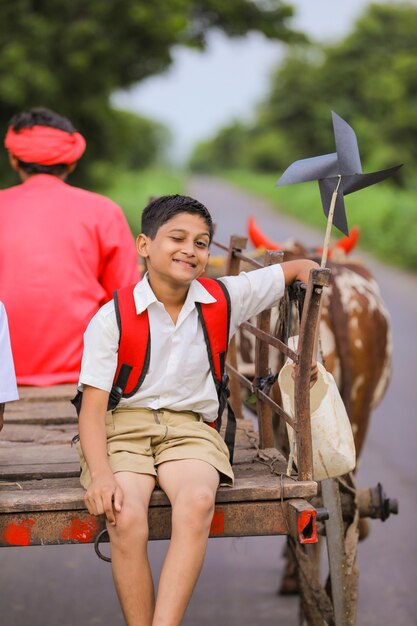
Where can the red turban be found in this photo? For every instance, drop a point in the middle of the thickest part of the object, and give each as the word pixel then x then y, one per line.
pixel 45 145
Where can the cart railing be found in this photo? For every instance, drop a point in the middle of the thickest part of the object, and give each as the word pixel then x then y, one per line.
pixel 302 358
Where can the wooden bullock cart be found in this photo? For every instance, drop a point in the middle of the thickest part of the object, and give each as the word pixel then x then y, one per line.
pixel 41 501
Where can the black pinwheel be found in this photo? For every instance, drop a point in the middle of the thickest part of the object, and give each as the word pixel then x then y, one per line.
pixel 337 173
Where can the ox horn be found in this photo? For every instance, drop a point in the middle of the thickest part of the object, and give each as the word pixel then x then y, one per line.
pixel 348 243
pixel 258 238
pixel 345 243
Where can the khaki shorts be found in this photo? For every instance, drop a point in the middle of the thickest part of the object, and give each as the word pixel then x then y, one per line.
pixel 138 440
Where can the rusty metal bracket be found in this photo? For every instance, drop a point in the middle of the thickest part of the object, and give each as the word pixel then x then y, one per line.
pixel 302 520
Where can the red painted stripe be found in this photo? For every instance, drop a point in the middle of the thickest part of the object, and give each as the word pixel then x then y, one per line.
pixel 305 519
pixel 19 534
pixel 82 531
pixel 217 524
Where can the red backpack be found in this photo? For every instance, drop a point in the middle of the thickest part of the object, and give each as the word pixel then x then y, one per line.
pixel 134 351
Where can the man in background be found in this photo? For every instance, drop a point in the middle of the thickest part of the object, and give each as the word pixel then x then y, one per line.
pixel 63 250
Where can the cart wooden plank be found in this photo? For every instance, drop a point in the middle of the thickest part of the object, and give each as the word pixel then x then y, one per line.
pixel 44 394
pixel 41 500
pixel 61 527
pixel 34 413
pixel 27 496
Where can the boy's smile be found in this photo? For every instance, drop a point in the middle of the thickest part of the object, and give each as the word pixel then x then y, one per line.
pixel 185 263
pixel 179 252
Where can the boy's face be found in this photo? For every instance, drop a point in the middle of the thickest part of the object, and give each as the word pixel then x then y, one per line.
pixel 179 252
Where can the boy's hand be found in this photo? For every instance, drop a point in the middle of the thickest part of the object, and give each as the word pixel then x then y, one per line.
pixel 104 496
pixel 298 270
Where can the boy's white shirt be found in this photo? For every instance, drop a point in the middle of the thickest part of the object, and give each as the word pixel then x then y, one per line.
pixel 179 376
pixel 8 387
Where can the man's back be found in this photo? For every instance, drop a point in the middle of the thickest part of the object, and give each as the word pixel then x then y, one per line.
pixel 63 251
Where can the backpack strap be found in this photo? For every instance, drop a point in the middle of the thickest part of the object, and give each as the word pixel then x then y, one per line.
pixel 215 321
pixel 133 357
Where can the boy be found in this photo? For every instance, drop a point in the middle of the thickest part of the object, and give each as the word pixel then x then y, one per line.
pixel 81 249
pixel 161 429
pixel 8 388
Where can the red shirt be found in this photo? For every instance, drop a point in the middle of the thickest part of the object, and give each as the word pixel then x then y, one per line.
pixel 63 251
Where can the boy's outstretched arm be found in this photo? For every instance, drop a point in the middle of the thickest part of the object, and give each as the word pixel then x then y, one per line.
pixel 298 270
pixel 104 495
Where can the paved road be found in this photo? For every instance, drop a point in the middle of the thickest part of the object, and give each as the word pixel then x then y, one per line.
pixel 68 585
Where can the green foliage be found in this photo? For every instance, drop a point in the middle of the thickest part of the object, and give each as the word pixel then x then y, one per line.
pixel 134 142
pixel 228 147
pixel 243 147
pixel 267 151
pixel 132 190
pixel 369 78
pixel 292 107
pixel 71 55
pixel 203 158
pixel 374 74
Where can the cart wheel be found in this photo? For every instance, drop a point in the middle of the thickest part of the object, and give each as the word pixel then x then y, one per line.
pixel 342 541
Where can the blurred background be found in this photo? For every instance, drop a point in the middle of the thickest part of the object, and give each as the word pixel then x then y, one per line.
pixel 237 90
pixel 216 99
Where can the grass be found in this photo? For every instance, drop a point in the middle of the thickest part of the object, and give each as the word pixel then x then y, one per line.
pixel 386 215
pixel 132 191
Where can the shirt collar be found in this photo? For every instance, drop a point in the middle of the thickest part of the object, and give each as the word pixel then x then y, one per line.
pixel 144 296
pixel 40 179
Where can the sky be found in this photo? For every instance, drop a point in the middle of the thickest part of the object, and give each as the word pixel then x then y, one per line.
pixel 204 91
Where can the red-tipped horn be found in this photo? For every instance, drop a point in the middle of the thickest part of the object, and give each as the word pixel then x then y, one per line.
pixel 257 237
pixel 348 243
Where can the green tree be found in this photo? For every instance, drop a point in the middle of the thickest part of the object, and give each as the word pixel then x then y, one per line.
pixel 71 55
pixel 369 78
pixel 375 72
pixel 227 147
pixel 139 141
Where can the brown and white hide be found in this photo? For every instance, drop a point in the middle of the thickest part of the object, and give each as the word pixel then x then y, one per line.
pixel 356 342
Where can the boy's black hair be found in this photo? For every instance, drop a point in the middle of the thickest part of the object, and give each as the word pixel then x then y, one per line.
pixel 162 209
pixel 40 116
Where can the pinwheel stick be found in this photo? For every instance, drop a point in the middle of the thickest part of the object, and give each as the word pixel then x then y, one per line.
pixel 329 225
